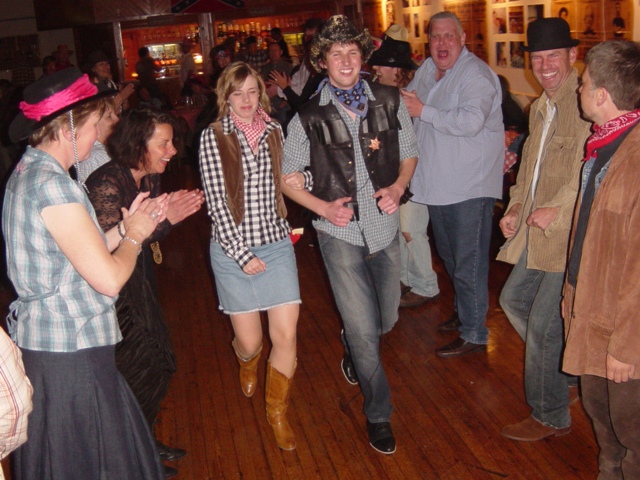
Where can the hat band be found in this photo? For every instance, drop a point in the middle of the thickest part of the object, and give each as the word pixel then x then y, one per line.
pixel 78 90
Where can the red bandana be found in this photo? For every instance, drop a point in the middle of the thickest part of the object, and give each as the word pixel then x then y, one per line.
pixel 608 132
pixel 254 130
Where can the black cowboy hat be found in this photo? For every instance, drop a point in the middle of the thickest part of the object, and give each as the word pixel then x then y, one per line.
pixel 393 53
pixel 339 29
pixel 51 96
pixel 549 34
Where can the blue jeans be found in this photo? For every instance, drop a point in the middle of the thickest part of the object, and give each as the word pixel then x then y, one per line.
pixel 365 287
pixel 462 232
pixel 417 271
pixel 531 300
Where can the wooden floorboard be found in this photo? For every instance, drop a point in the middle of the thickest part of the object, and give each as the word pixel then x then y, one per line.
pixel 447 413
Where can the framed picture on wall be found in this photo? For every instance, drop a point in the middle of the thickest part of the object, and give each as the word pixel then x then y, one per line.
pixel 617 15
pixel 499 21
pixel 516 55
pixel 501 54
pixel 534 12
pixel 516 20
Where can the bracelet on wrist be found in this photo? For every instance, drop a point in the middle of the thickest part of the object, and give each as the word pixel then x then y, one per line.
pixel 134 241
pixel 120 232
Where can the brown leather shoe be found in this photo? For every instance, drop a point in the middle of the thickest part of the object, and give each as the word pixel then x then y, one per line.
pixel 411 299
pixel 531 430
pixel 451 324
pixel 458 348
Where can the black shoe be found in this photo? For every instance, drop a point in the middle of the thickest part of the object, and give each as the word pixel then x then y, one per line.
pixel 381 437
pixel 451 324
pixel 169 454
pixel 169 471
pixel 458 348
pixel 348 369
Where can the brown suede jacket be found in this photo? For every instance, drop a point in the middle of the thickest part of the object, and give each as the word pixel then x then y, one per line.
pixel 602 315
pixel 558 182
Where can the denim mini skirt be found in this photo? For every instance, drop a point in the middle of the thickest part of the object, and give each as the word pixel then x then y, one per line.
pixel 242 293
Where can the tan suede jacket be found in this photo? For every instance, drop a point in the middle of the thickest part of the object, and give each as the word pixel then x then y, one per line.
pixel 602 315
pixel 558 182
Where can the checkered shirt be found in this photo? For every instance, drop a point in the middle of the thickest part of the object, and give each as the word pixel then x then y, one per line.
pixel 258 60
pixel 57 310
pixel 261 224
pixel 374 229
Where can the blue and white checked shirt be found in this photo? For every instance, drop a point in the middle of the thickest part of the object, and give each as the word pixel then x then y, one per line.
pixel 460 133
pixel 376 230
pixel 261 224
pixel 57 310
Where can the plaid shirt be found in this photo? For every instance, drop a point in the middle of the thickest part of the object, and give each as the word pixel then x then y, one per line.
pixel 57 310
pixel 15 397
pixel 258 59
pixel 261 224
pixel 374 229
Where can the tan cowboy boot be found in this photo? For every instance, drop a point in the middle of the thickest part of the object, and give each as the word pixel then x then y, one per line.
pixel 277 400
pixel 248 370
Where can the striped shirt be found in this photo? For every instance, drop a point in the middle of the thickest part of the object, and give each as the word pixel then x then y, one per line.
pixel 261 224
pixel 374 229
pixel 57 310
pixel 15 397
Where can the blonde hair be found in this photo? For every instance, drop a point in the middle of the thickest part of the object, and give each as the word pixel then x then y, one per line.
pixel 232 79
pixel 49 132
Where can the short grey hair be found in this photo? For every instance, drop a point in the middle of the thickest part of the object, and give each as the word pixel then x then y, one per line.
pixel 446 16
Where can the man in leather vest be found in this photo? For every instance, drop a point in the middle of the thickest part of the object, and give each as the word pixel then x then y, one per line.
pixel 601 294
pixel 537 225
pixel 357 142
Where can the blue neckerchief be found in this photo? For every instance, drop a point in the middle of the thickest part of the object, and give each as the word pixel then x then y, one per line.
pixel 355 99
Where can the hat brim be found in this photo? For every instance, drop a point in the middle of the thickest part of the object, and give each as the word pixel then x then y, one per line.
pixel 22 127
pixel 549 46
pixel 376 61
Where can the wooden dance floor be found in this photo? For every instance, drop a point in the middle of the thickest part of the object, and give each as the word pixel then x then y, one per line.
pixel 447 413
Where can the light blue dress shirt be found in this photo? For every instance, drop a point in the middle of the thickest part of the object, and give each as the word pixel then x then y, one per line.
pixel 460 133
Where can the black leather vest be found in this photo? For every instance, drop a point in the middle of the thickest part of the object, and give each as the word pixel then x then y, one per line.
pixel 332 148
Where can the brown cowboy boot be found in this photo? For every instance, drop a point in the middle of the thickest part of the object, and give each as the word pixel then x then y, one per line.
pixel 248 370
pixel 277 400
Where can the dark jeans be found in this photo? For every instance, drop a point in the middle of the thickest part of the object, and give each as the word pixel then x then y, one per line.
pixel 462 233
pixel 614 409
pixel 365 287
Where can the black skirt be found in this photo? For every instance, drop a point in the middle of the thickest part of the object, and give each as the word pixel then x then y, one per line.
pixel 85 423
